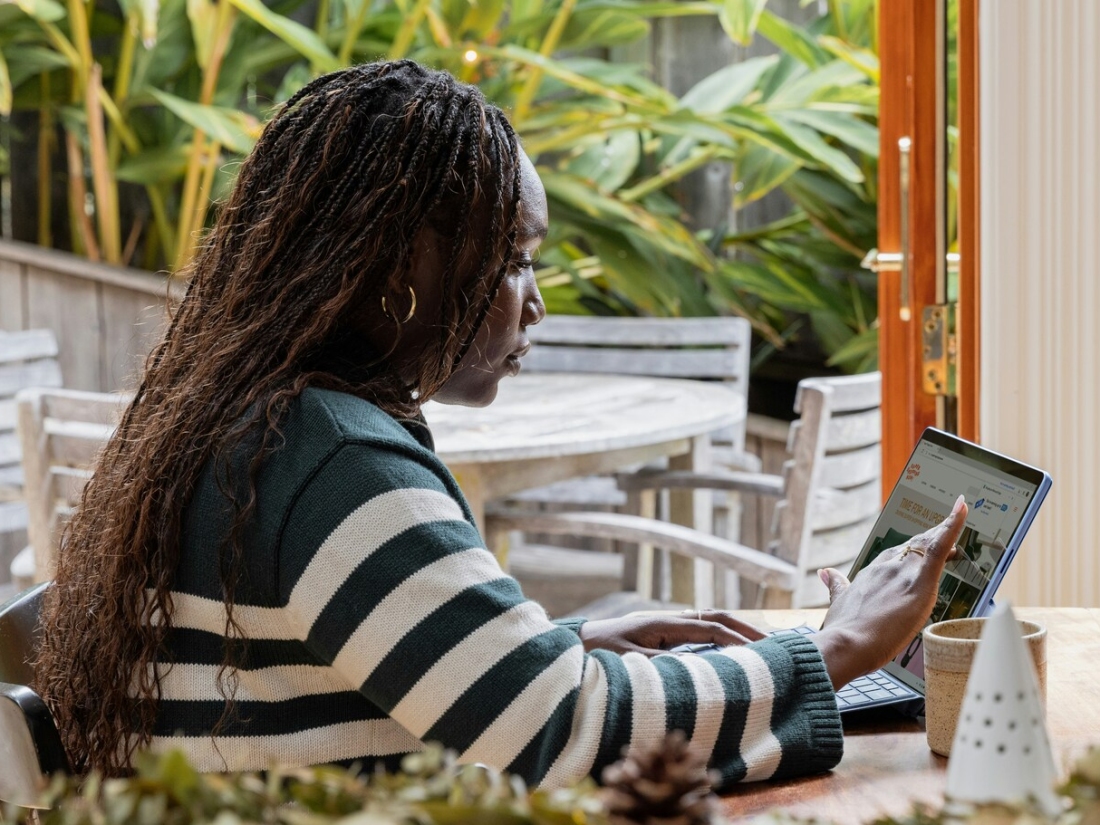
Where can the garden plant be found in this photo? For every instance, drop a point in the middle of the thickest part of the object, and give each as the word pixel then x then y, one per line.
pixel 665 785
pixel 146 107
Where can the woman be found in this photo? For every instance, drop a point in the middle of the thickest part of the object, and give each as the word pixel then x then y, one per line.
pixel 270 563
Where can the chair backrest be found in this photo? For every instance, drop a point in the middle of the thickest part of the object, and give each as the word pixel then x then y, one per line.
pixel 27 359
pixel 715 349
pixel 62 432
pixel 30 746
pixel 832 484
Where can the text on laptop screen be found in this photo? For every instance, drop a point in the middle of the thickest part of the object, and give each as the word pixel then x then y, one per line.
pixel 923 497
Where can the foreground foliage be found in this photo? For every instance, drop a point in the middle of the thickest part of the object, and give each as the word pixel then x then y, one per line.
pixel 658 787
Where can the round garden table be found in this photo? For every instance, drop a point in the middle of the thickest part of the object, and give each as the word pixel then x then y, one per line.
pixel 547 427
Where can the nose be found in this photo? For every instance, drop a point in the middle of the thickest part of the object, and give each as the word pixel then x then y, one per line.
pixel 534 310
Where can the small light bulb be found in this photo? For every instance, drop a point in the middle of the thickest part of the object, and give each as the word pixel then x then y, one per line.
pixel 470 56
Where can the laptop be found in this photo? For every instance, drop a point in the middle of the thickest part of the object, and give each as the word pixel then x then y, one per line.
pixel 1002 494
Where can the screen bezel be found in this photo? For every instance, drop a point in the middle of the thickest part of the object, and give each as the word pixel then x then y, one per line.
pixel 995 461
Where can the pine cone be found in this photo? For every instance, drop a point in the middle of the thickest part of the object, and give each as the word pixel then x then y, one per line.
pixel 667 785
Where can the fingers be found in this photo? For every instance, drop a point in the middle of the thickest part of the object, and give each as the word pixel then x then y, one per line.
pixel 743 629
pixel 696 631
pixel 939 542
pixel 836 581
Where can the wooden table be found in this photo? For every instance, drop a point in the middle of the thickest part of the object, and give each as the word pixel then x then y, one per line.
pixel 887 765
pixel 546 427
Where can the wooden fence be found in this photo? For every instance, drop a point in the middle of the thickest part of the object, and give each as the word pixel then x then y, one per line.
pixel 106 318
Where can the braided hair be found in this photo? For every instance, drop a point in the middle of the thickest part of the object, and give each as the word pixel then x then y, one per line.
pixel 318 232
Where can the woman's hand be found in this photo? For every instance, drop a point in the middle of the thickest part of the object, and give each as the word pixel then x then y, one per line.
pixel 871 619
pixel 655 634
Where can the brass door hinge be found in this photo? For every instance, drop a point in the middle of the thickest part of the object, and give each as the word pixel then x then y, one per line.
pixel 939 349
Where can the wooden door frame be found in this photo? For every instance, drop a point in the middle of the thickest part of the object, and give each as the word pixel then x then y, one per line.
pixel 969 317
pixel 911 106
pixel 907 43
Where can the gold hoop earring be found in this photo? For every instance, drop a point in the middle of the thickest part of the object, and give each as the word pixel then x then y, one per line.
pixel 412 307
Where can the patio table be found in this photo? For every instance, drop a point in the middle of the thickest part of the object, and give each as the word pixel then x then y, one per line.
pixel 887 766
pixel 547 427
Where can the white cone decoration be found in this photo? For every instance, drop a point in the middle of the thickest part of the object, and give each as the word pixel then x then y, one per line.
pixel 1001 751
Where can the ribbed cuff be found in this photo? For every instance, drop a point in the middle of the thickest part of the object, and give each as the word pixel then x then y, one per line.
pixel 818 741
pixel 572 623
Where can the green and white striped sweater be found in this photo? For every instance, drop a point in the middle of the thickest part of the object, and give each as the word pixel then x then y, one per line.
pixel 374 619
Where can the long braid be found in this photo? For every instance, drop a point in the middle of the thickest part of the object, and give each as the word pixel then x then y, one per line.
pixel 319 228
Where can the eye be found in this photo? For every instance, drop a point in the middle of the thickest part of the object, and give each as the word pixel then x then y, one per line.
pixel 524 259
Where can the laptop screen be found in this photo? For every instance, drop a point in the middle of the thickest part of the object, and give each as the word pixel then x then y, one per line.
pixel 1002 495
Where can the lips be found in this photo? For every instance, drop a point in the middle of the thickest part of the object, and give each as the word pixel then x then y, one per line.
pixel 512 361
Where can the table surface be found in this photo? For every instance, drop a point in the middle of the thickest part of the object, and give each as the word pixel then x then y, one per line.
pixel 887 766
pixel 550 415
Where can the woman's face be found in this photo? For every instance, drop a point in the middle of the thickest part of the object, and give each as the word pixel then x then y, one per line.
pixel 502 339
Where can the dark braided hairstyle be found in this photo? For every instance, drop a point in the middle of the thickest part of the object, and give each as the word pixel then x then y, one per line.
pixel 320 228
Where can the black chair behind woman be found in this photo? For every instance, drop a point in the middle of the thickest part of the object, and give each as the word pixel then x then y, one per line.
pixel 30 747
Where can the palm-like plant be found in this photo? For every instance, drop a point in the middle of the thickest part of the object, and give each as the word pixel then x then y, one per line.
pixel 163 98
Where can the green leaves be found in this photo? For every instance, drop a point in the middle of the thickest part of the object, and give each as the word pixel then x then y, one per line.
pixel 6 91
pixel 145 13
pixel 727 86
pixel 740 18
pixel 233 129
pixel 612 146
pixel 431 789
pixel 154 167
pixel 44 11
pixel 203 16
pixel 294 34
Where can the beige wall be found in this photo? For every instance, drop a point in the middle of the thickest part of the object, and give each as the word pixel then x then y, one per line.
pixel 1040 121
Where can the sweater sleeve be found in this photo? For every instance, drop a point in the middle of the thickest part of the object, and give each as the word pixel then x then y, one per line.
pixel 387 581
pixel 572 623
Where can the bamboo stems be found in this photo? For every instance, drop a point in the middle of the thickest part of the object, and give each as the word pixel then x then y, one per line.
pixel 207 183
pixel 321 28
pixel 104 183
pixel 84 234
pixel 549 43
pixel 123 73
pixel 407 32
pixel 351 33
pixel 198 159
pixel 161 222
pixel 45 149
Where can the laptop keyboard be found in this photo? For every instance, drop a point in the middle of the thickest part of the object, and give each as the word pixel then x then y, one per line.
pixel 866 690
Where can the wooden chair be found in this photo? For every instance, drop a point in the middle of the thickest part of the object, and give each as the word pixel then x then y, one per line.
pixel 829 495
pixel 709 349
pixel 30 746
pixel 27 359
pixel 61 432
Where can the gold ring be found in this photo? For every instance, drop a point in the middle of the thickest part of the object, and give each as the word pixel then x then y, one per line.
pixel 909 549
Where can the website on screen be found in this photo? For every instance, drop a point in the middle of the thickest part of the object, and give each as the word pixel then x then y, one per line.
pixel 932 481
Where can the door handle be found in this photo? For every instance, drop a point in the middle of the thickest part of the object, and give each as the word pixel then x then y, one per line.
pixel 905 146
pixel 898 261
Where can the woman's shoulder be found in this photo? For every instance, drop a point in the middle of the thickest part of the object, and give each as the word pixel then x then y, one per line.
pixel 341 418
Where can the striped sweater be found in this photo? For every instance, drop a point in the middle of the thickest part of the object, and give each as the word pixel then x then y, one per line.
pixel 373 619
